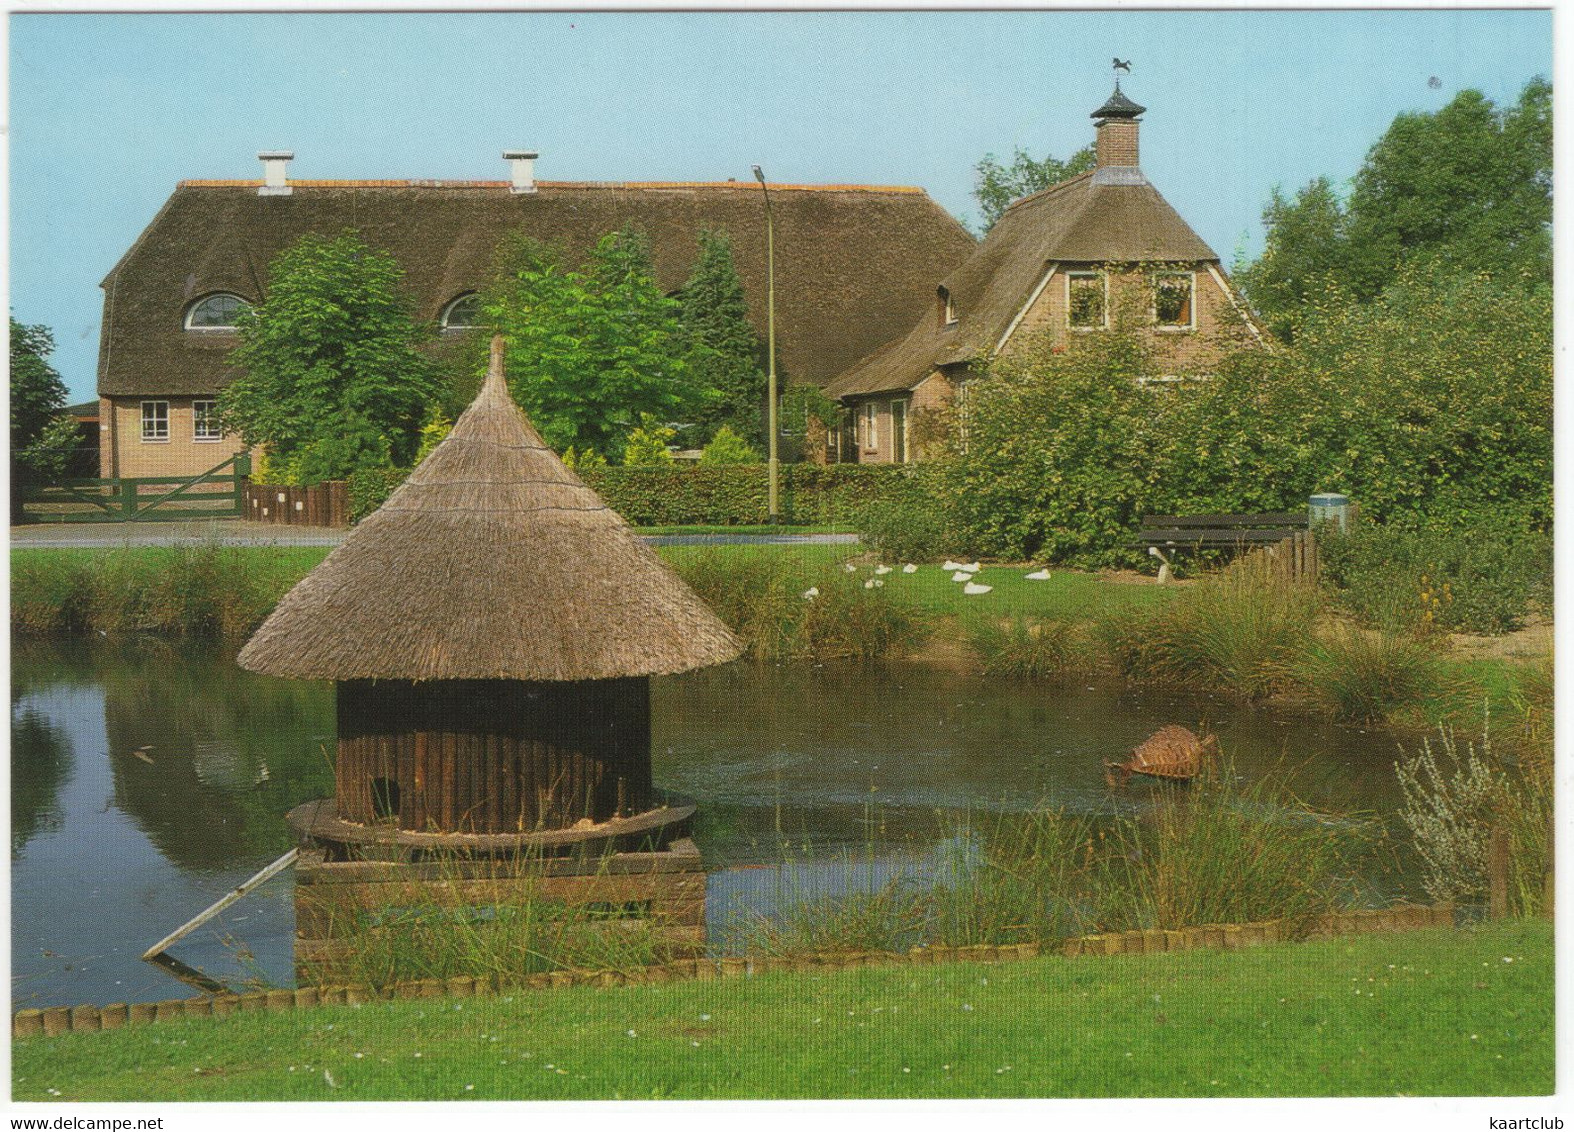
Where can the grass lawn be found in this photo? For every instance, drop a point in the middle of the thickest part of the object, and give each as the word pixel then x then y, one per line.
pixel 1444 1012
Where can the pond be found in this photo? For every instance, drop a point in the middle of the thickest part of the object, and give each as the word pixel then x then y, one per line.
pixel 149 777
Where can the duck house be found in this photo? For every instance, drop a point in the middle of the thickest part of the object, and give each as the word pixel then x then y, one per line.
pixel 491 631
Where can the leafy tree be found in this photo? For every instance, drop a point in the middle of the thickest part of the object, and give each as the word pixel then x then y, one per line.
pixel 727 447
pixel 589 352
pixel 330 378
pixel 723 348
pixel 37 393
pixel 1468 188
pixel 995 185
pixel 648 443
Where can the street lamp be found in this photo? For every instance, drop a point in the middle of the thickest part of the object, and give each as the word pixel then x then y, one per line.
pixel 771 465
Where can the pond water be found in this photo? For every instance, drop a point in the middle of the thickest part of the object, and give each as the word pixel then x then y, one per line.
pixel 150 777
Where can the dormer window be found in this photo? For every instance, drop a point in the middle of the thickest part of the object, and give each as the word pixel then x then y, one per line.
pixel 947 308
pixel 220 312
pixel 1087 294
pixel 464 313
pixel 1173 308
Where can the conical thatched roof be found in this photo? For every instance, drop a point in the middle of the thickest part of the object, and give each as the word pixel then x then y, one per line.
pixel 492 561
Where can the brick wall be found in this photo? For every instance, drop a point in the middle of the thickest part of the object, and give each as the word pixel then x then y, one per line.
pixel 1117 142
pixel 1130 297
pixel 181 454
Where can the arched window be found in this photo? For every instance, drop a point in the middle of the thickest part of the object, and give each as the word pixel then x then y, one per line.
pixel 463 313
pixel 215 312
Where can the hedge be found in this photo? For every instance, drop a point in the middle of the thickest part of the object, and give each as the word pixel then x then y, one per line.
pixel 736 495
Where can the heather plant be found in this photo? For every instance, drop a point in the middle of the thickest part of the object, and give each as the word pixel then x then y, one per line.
pixel 1452 799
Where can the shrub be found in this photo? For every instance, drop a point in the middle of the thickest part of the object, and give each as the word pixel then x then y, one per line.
pixel 727 447
pixel 1364 676
pixel 907 531
pixel 1450 807
pixel 369 489
pixel 1478 574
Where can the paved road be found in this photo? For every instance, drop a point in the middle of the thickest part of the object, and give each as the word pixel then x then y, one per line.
pixel 239 533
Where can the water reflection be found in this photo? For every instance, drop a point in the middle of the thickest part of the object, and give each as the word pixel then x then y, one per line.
pixel 149 778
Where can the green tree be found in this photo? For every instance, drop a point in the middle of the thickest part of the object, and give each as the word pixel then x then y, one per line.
pixel 37 393
pixel 723 348
pixel 1465 189
pixel 589 352
pixel 330 378
pixel 995 185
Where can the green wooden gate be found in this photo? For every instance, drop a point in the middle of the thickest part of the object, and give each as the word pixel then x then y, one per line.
pixel 213 494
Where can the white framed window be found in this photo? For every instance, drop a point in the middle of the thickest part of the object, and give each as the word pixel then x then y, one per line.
pixel 1087 300
pixel 205 422
pixel 463 313
pixel 220 312
pixel 871 425
pixel 1174 300
pixel 155 422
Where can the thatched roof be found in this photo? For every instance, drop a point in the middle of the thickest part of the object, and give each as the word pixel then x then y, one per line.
pixel 1084 221
pixel 854 264
pixel 492 561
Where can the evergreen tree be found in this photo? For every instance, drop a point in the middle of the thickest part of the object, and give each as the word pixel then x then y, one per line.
pixel 723 348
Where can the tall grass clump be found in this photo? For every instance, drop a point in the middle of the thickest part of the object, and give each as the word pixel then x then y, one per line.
pixel 1368 675
pixel 785 608
pixel 1033 647
pixel 1240 631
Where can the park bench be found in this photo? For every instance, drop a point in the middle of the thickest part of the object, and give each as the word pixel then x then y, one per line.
pixel 1163 535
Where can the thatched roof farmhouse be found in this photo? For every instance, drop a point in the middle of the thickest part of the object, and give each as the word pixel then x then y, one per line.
pixel 1059 261
pixel 854 264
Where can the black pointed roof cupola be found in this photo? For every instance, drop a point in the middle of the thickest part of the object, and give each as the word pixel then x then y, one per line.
pixel 1118 106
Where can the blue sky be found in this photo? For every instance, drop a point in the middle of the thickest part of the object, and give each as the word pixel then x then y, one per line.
pixel 109 111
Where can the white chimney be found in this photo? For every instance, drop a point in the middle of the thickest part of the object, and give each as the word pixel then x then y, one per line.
pixel 522 163
pixel 273 182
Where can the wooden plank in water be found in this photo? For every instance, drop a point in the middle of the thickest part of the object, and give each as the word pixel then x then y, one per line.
pixel 218 906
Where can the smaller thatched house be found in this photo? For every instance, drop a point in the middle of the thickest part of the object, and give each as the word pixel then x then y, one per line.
pixel 492 629
pixel 1076 258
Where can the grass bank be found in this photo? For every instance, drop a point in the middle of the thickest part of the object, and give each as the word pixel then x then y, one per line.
pixel 1464 1012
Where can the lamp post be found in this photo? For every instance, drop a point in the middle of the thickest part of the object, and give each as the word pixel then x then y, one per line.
pixel 771 465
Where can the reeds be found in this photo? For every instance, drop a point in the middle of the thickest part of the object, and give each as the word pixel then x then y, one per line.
pixel 1217 852
pixel 203 589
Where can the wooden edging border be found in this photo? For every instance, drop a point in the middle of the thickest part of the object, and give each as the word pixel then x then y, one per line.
pixel 62 1019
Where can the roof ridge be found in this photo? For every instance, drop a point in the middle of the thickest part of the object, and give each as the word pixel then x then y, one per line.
pixel 750 186
pixel 1056 187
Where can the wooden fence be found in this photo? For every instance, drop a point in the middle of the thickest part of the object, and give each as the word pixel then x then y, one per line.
pixel 213 494
pixel 321 505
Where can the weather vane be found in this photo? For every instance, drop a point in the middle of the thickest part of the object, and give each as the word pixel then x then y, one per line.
pixel 1119 67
